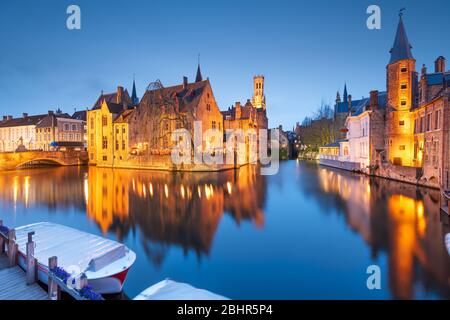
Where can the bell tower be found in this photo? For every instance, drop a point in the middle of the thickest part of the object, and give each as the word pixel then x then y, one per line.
pixel 401 82
pixel 259 99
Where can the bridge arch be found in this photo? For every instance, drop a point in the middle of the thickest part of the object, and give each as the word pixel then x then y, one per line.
pixel 38 162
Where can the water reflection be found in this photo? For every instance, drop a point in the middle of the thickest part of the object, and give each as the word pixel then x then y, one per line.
pixel 201 215
pixel 173 209
pixel 397 218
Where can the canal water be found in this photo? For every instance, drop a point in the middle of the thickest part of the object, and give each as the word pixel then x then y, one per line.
pixel 308 232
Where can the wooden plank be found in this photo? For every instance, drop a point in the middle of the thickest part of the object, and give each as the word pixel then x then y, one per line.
pixel 13 285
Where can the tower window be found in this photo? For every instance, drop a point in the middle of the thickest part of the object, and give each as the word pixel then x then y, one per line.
pixel 404 70
pixel 402 147
pixel 403 86
pixel 401 123
pixel 403 103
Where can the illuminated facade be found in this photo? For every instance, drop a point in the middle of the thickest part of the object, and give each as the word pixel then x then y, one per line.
pixel 401 98
pixel 100 122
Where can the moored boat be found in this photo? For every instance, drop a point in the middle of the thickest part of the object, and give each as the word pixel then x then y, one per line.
pixel 172 290
pixel 105 262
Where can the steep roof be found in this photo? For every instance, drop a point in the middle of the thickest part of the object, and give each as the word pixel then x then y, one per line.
pixel 24 121
pixel 364 103
pixel 80 115
pixel 134 97
pixel 401 49
pixel 124 116
pixel 186 97
pixel 111 98
pixel 198 77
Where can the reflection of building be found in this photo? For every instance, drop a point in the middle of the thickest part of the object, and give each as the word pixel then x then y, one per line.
pixel 53 188
pixel 182 210
pixel 397 218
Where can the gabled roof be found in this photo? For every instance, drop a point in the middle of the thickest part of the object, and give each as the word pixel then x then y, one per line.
pixel 364 103
pixel 24 121
pixel 124 116
pixel 49 121
pixel 80 115
pixel 437 78
pixel 401 49
pixel 185 98
pixel 111 98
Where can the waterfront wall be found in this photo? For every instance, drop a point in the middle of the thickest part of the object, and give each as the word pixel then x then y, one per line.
pixel 164 162
pixel 16 160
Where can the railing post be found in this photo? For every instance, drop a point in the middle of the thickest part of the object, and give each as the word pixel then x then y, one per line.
pixel 13 248
pixel 53 288
pixel 2 241
pixel 31 261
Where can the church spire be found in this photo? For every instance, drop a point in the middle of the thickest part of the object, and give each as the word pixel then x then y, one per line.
pixel 198 77
pixel 401 50
pixel 134 97
pixel 345 93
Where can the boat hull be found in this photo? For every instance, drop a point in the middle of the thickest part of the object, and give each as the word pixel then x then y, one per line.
pixel 107 285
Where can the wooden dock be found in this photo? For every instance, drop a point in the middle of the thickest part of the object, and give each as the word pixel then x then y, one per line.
pixel 13 284
pixel 17 284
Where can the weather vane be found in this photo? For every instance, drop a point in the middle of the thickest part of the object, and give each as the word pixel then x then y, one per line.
pixel 401 12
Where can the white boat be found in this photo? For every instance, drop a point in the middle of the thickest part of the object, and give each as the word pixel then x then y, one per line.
pixel 105 262
pixel 171 290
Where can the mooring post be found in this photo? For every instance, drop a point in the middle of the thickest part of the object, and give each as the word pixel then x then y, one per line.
pixel 2 241
pixel 53 288
pixel 31 261
pixel 83 281
pixel 13 248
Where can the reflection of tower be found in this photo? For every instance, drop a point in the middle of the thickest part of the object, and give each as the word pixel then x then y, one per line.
pixel 259 99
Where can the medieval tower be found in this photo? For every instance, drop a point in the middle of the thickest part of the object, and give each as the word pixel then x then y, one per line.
pixel 401 91
pixel 259 99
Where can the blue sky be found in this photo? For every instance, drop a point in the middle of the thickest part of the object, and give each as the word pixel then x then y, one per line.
pixel 305 49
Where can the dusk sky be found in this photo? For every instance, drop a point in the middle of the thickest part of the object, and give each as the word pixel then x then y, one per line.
pixel 306 50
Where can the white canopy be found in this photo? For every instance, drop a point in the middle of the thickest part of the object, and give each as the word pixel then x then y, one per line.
pixel 171 290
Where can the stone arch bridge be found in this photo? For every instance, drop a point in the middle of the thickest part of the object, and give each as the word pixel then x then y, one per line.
pixel 27 159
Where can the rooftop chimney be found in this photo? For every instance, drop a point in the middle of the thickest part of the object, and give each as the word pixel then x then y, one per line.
pixel 119 94
pixel 238 110
pixel 185 82
pixel 373 99
pixel 50 112
pixel 5 118
pixel 439 65
pixel 424 70
pixel 9 117
pixel 25 115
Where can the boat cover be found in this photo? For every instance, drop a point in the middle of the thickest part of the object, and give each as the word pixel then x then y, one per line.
pixel 71 246
pixel 171 290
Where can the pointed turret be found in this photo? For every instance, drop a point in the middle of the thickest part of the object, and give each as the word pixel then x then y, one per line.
pixel 345 93
pixel 134 98
pixel 198 77
pixel 401 49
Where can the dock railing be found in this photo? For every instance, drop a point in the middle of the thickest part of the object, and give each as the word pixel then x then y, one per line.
pixel 58 279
